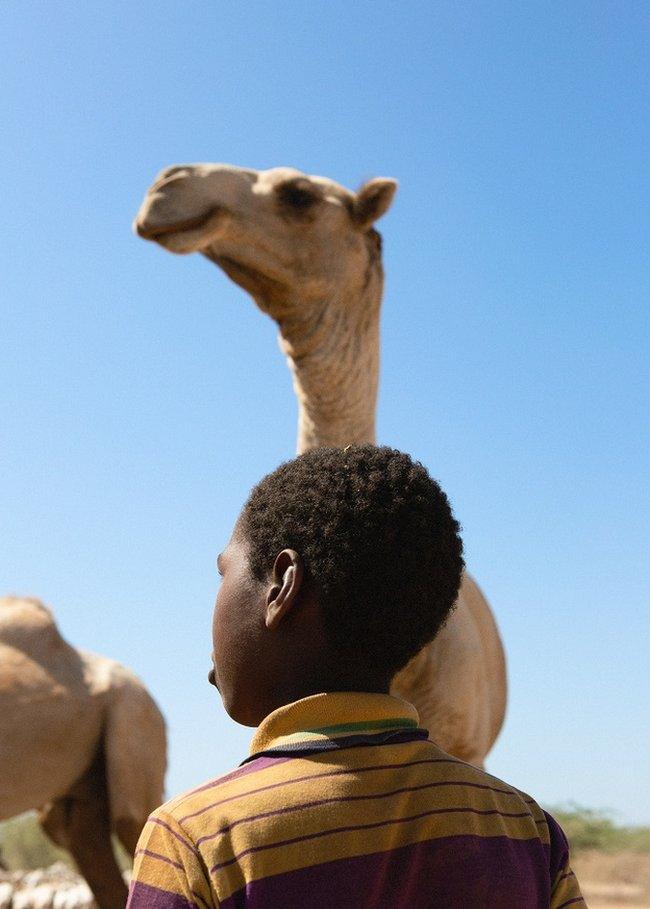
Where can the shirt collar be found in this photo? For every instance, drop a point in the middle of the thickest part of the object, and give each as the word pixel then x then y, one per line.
pixel 332 720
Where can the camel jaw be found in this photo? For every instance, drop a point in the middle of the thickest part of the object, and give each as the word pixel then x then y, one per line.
pixel 263 288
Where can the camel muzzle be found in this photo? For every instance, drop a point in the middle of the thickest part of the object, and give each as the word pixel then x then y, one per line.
pixel 153 231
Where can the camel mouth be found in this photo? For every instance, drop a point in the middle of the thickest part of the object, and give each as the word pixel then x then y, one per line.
pixel 157 231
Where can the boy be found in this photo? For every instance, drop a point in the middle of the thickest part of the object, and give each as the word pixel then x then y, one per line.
pixel 341 566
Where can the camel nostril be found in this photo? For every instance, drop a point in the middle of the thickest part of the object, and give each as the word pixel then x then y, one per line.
pixel 170 171
pixel 140 230
pixel 166 175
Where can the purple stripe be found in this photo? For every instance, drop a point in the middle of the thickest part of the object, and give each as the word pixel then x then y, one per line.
pixel 459 871
pixel 559 847
pixel 374 826
pixel 243 770
pixel 144 896
pixel 320 776
pixel 156 820
pixel 577 899
pixel 355 798
pixel 526 798
pixel 161 858
pixel 200 899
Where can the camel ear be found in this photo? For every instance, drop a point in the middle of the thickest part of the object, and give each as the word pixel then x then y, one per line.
pixel 373 200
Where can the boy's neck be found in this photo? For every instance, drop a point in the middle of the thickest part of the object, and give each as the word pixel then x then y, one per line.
pixel 327 685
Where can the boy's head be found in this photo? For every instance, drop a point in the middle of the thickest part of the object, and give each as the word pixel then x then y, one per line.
pixel 343 564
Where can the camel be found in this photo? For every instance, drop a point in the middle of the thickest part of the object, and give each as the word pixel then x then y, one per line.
pixel 305 249
pixel 81 740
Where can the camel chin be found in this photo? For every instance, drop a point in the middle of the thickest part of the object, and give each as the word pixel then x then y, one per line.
pixel 182 243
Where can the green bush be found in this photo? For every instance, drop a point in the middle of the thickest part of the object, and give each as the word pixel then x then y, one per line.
pixel 24 846
pixel 588 828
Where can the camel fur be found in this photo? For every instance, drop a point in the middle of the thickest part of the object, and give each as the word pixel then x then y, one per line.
pixel 81 740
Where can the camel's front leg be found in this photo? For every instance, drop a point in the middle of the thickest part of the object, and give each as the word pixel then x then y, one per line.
pixel 80 823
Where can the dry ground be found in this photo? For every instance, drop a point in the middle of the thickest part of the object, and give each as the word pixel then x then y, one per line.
pixel 619 880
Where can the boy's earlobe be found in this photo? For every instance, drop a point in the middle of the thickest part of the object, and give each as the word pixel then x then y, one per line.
pixel 287 581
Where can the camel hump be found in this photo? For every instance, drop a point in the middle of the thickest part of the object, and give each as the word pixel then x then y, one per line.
pixel 493 647
pixel 135 748
pixel 28 624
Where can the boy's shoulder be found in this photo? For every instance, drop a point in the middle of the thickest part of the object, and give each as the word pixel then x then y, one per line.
pixel 262 780
pixel 291 815
pixel 191 808
pixel 549 831
pixel 477 776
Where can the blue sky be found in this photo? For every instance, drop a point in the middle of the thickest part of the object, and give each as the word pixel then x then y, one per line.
pixel 142 394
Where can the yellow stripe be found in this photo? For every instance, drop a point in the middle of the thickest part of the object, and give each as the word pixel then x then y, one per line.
pixel 314 820
pixel 347 844
pixel 332 775
pixel 290 772
pixel 377 798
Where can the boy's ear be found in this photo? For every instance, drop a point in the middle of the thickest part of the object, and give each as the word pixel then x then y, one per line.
pixel 288 573
pixel 373 200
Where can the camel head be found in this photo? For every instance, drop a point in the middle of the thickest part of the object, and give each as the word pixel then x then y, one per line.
pixel 290 240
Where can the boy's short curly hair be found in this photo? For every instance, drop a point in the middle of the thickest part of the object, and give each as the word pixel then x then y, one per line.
pixel 379 541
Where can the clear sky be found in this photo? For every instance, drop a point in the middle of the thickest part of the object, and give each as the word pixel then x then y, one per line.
pixel 143 394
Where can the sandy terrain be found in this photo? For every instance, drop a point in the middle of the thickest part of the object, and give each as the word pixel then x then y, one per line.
pixel 615 881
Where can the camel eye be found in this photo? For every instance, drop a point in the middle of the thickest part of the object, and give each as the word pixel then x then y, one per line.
pixel 298 195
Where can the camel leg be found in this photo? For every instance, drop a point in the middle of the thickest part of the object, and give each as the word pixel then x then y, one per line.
pixel 128 833
pixel 80 823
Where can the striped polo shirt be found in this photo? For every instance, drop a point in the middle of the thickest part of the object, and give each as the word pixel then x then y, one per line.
pixel 345 802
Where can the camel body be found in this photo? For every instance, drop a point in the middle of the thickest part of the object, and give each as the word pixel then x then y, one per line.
pixel 306 250
pixel 81 740
pixel 458 681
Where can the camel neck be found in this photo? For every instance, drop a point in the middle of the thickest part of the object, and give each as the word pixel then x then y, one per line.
pixel 334 358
